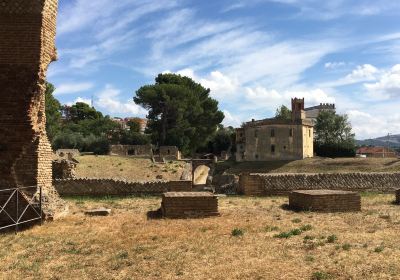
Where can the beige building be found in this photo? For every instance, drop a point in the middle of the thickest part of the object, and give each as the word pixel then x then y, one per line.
pixel 275 139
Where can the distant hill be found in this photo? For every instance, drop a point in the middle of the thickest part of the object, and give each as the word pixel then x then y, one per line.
pixel 392 141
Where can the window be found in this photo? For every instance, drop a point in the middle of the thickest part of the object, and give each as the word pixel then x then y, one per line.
pixel 309 133
pixel 290 132
pixel 272 132
pixel 256 156
pixel 131 152
pixel 241 134
pixel 284 147
pixel 272 149
pixel 241 147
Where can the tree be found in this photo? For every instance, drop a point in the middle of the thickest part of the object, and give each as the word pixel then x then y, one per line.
pixel 283 113
pixel 53 112
pixel 333 135
pixel 181 112
pixel 80 111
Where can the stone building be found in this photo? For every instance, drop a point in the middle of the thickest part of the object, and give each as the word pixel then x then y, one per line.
pixel 276 139
pixel 313 112
pixel 377 152
pixel 170 152
pixel 131 150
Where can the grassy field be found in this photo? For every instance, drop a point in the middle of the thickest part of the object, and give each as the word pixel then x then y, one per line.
pixel 127 168
pixel 315 165
pixel 254 238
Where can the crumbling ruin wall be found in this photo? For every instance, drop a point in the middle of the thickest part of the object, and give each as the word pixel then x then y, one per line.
pixel 283 183
pixel 27 47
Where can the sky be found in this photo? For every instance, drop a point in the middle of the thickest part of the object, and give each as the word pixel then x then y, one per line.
pixel 254 55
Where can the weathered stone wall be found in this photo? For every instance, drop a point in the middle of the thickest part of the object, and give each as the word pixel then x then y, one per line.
pixel 131 150
pixel 277 184
pixel 170 152
pixel 104 187
pixel 27 46
pixel 64 169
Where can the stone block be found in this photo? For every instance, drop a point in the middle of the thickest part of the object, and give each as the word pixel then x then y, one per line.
pixel 325 201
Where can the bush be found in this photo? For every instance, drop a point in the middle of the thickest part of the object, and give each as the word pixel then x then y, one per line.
pixel 331 238
pixel 237 232
pixel 334 150
pixel 320 275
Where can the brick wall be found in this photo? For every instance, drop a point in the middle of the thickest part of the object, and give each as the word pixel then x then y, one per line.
pixel 277 184
pixel 27 46
pixel 104 187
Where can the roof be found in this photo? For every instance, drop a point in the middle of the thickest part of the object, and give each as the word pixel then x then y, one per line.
pixel 374 150
pixel 276 121
pixel 322 106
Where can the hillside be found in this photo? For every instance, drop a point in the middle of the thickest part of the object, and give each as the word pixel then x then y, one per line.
pixel 391 141
pixel 314 165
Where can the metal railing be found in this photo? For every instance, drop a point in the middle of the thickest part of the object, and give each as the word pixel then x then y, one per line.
pixel 17 207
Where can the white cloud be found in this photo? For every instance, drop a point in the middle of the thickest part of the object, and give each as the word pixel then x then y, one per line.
pixel 388 85
pixel 372 124
pixel 362 73
pixel 109 100
pixel 80 99
pixel 334 65
pixel 71 88
pixel 231 120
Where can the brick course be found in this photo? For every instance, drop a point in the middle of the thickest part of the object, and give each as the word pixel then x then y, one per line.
pixel 280 184
pixel 325 201
pixel 104 187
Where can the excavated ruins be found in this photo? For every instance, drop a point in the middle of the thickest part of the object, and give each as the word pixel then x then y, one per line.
pixel 27 47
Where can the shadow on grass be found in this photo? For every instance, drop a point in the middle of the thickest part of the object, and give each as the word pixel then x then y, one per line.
pixel 154 215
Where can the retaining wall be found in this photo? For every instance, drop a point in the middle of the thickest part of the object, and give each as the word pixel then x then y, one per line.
pixel 280 184
pixel 104 187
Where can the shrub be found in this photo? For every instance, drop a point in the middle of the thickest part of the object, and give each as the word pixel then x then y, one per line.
pixel 331 238
pixel 271 228
pixel 296 221
pixel 237 232
pixel 379 249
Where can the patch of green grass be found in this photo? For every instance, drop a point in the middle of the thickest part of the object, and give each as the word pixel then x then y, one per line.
pixel 321 275
pixel 346 246
pixel 306 228
pixel 309 258
pixel 379 249
pixel 296 221
pixel 122 255
pixel 331 238
pixel 293 232
pixel 237 232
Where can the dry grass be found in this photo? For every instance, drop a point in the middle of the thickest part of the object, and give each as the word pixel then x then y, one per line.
pixel 126 245
pixel 129 168
pixel 316 165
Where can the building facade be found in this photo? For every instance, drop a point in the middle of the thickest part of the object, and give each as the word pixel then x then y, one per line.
pixel 377 152
pixel 313 112
pixel 276 139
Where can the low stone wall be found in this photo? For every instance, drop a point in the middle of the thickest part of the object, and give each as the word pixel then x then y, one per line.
pixel 279 184
pixel 104 187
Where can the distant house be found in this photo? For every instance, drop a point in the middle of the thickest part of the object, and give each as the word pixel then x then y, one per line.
pixel 124 123
pixel 377 152
pixel 277 139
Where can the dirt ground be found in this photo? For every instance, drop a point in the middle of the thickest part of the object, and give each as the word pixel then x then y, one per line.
pixel 254 238
pixel 135 169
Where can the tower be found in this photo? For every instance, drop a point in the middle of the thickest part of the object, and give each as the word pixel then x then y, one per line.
pixel 298 112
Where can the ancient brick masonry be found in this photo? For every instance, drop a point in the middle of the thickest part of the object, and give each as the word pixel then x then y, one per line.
pixel 27 47
pixel 325 201
pixel 189 205
pixel 278 184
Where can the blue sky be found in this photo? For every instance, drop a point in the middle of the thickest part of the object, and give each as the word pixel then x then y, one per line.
pixel 254 55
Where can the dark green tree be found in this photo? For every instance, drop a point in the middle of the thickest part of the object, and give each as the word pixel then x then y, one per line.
pixel 53 112
pixel 333 135
pixel 181 112
pixel 81 111
pixel 283 113
pixel 134 124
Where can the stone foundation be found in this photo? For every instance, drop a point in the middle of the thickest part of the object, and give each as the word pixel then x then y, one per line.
pixel 325 201
pixel 27 46
pixel 259 184
pixel 189 205
pixel 105 187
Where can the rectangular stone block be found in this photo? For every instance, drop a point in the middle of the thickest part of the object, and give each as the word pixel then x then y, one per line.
pixel 189 205
pixel 325 201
